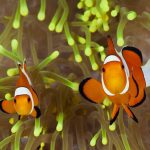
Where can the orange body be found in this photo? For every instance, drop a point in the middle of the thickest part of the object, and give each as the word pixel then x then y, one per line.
pixel 122 81
pixel 25 99
pixel 114 77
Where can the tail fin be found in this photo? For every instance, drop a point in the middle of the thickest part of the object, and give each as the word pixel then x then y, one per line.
pixel 146 72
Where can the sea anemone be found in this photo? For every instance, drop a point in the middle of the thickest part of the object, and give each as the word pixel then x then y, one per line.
pixel 64 42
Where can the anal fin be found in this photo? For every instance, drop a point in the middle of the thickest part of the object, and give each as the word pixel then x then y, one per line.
pixel 91 89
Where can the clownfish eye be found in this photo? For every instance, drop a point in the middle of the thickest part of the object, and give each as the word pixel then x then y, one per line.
pixel 15 101
pixel 103 69
pixel 29 99
pixel 122 66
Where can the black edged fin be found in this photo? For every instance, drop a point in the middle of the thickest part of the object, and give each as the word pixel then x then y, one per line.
pixel 134 117
pixel 19 117
pixel 1 107
pixel 82 91
pixel 137 87
pixel 135 50
pixel 34 91
pixel 38 111
pixel 142 100
pixel 113 119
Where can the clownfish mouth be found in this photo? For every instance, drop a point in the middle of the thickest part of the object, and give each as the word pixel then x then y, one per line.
pixel 115 88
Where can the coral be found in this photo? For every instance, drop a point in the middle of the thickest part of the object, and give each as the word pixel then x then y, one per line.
pixel 63 42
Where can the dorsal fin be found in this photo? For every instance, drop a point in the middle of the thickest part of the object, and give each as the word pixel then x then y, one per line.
pixel 26 75
pixel 24 79
pixel 111 49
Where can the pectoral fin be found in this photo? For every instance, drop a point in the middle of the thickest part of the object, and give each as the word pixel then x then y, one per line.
pixel 92 90
pixel 7 106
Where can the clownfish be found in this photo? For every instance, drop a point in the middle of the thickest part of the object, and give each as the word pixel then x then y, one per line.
pixel 25 100
pixel 123 80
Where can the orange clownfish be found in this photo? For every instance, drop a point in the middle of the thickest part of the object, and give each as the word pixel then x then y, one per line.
pixel 123 80
pixel 25 100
